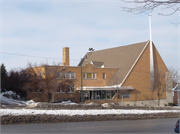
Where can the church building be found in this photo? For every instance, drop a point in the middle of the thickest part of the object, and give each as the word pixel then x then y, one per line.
pixel 128 75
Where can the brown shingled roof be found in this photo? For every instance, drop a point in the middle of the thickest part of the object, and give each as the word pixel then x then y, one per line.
pixel 122 57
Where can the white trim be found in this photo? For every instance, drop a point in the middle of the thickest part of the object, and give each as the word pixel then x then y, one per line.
pixel 174 89
pixel 135 63
pixel 91 63
pixel 113 88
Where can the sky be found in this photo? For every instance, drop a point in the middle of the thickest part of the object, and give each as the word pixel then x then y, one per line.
pixel 36 31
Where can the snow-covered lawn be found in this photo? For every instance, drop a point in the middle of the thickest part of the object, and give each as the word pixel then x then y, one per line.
pixel 31 103
pixel 17 112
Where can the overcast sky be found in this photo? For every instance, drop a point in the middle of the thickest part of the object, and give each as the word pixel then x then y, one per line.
pixel 42 28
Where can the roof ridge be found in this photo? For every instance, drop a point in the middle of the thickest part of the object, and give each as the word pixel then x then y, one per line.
pixel 119 46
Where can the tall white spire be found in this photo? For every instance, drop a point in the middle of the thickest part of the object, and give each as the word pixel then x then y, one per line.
pixel 151 54
pixel 150 33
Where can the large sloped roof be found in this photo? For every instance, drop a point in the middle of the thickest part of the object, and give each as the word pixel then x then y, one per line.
pixel 122 57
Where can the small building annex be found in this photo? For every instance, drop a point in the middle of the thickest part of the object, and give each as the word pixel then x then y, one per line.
pixel 176 96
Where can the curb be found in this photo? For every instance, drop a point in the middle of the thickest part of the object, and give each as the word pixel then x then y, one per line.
pixel 26 119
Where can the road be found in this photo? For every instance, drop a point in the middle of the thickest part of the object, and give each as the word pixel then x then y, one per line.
pixel 124 126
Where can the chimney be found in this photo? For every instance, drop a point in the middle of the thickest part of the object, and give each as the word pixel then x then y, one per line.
pixel 65 56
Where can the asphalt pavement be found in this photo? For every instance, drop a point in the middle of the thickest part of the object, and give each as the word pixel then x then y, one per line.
pixel 123 126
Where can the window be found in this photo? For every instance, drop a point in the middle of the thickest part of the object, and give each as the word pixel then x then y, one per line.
pixel 58 100
pixel 35 90
pixel 57 74
pixel 71 88
pixel 64 99
pixel 72 75
pixel 125 95
pixel 40 91
pixel 69 100
pixel 59 89
pixel 67 75
pixel 73 99
pixel 89 75
pixel 30 90
pixel 62 75
pixel 104 76
pixel 108 93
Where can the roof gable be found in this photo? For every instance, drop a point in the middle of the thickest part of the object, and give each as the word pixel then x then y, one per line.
pixel 97 63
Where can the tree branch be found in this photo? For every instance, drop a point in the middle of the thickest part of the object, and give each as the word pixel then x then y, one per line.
pixel 142 6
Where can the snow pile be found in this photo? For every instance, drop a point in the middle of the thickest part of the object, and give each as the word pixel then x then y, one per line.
pixel 11 95
pixel 105 105
pixel 31 103
pixel 68 102
pixel 9 101
pixel 7 98
pixel 17 112
pixel 91 103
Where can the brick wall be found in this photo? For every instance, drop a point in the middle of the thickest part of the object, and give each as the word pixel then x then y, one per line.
pixel 89 68
pixel 139 78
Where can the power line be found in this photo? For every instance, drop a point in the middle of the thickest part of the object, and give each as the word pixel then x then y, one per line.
pixel 61 59
pixel 28 55
pixel 33 56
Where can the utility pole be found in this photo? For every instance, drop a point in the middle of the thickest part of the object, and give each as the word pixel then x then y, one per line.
pixel 81 83
pixel 122 100
pixel 178 50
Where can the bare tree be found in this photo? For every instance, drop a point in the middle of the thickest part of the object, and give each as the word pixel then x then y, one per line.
pixel 175 76
pixel 48 79
pixel 162 84
pixel 149 5
pixel 116 85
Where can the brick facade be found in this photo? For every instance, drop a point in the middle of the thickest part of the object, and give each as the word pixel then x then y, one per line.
pixel 139 77
pixel 74 96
